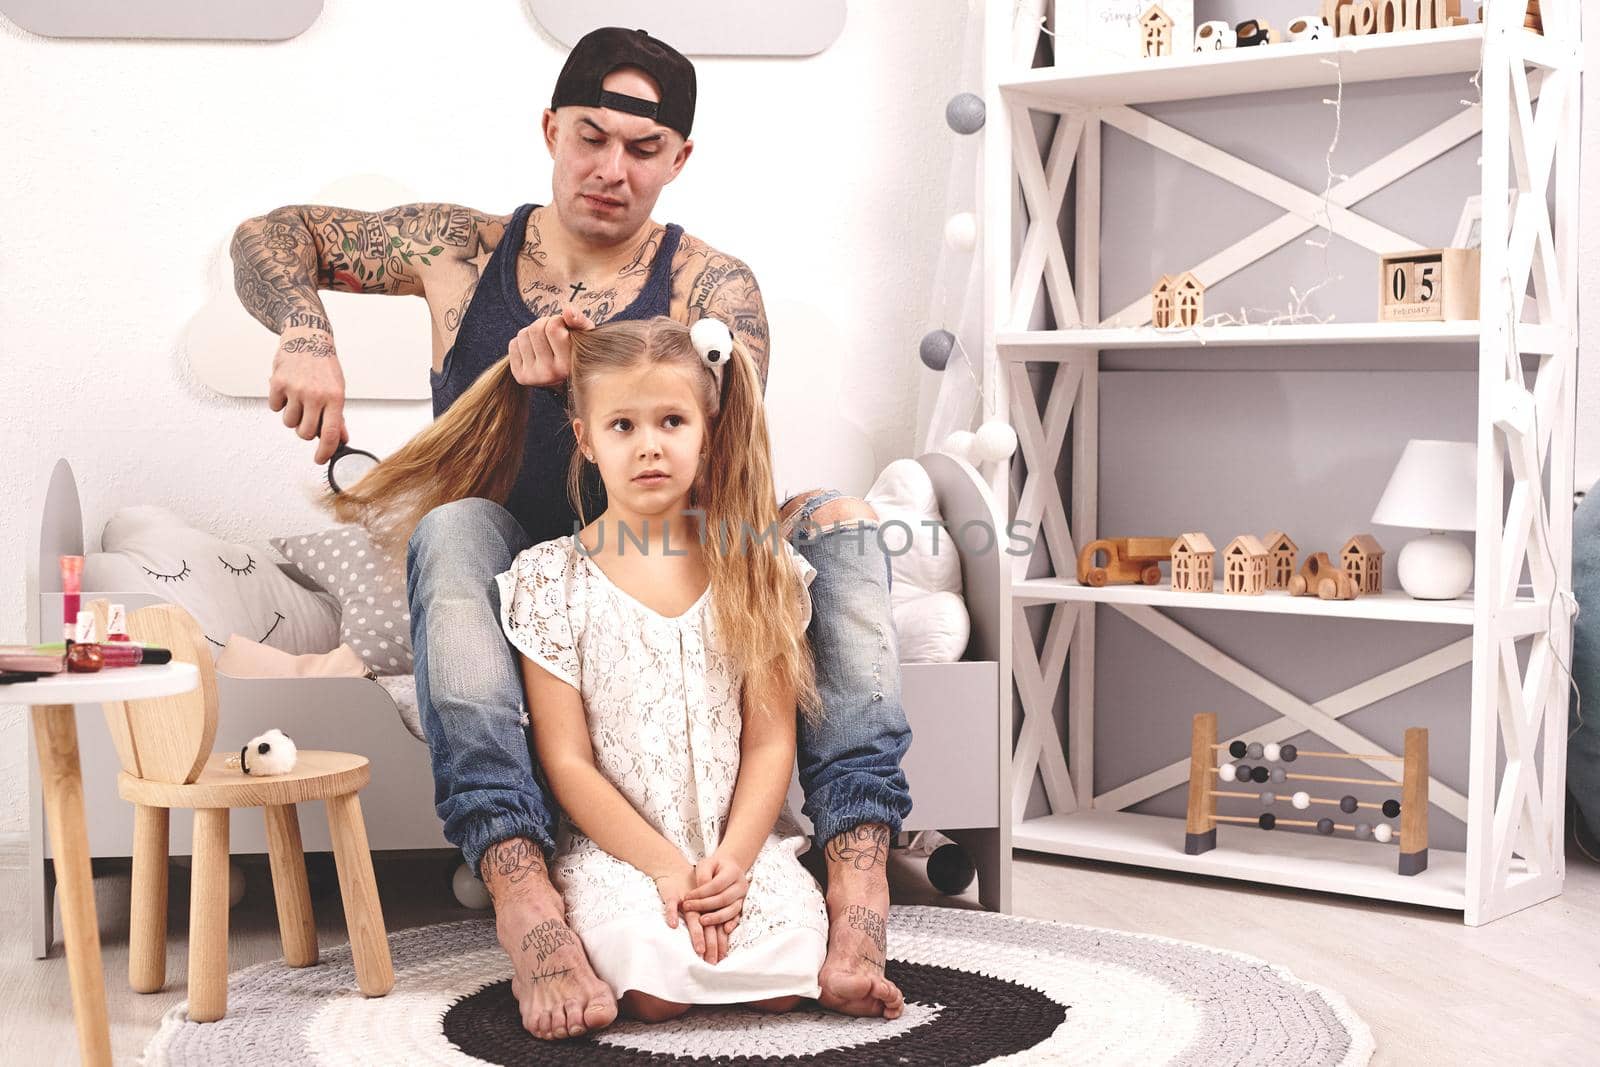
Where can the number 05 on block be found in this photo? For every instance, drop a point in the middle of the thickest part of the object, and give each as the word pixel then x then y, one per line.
pixel 1429 285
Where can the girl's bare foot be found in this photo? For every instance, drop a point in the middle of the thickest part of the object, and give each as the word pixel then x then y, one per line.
pixel 648 1009
pixel 777 1005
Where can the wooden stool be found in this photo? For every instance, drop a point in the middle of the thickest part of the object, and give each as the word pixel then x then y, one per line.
pixel 165 748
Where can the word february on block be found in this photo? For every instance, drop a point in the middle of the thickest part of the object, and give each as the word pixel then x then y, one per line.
pixel 1429 285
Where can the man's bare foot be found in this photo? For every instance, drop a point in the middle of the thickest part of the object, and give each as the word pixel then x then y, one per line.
pixel 555 987
pixel 852 978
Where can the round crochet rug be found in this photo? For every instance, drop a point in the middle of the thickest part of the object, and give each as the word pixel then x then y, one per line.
pixel 979 987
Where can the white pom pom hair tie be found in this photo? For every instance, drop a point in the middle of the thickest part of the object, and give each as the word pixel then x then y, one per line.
pixel 714 341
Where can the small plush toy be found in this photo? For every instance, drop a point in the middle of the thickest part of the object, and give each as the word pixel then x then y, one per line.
pixel 271 753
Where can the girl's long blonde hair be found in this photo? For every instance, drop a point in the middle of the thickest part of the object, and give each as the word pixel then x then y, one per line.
pixel 475 450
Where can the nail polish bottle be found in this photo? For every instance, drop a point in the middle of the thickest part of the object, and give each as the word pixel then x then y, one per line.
pixel 83 655
pixel 117 624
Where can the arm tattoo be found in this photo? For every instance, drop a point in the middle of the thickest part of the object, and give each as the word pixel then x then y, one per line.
pixel 320 347
pixel 870 923
pixel 275 271
pixel 726 289
pixel 512 861
pixel 282 258
pixel 864 847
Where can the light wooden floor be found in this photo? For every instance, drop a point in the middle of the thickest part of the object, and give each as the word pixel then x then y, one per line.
pixel 1524 990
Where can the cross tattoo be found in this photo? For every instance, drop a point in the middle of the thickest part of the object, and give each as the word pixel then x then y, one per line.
pixel 576 289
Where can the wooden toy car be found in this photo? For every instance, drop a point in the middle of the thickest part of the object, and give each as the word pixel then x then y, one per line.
pixel 1128 561
pixel 1323 578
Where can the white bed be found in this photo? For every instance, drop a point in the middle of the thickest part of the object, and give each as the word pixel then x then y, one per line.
pixel 953 764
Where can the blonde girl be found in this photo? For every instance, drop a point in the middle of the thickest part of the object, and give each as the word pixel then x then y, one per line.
pixel 664 662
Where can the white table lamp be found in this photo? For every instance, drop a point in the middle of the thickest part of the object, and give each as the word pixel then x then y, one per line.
pixel 1435 488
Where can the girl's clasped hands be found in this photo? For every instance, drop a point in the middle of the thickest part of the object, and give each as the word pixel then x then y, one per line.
pixel 710 898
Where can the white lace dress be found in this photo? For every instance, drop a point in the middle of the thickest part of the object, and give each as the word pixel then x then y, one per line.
pixel 663 707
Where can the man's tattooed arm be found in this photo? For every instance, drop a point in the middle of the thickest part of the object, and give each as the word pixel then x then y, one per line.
pixel 863 848
pixel 309 346
pixel 281 259
pixel 723 287
pixel 275 271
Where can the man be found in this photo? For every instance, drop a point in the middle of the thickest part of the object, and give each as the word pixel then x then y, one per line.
pixel 618 132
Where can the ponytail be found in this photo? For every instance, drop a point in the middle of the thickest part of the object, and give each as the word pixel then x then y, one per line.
pixel 758 599
pixel 473 449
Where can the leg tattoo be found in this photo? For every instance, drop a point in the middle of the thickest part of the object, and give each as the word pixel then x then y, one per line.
pixel 510 863
pixel 868 922
pixel 862 848
pixel 549 936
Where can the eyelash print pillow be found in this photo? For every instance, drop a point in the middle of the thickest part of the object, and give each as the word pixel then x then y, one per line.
pixel 229 588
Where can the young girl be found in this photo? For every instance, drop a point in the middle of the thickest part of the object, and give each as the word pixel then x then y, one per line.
pixel 664 658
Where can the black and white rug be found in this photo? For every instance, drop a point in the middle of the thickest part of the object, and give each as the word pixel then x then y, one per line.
pixel 979 987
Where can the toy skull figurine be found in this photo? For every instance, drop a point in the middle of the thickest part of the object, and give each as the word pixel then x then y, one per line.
pixel 270 754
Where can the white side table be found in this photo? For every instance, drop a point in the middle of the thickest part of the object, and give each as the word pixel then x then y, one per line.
pixel 55 733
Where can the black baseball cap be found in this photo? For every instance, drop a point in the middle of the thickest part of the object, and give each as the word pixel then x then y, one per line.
pixel 602 51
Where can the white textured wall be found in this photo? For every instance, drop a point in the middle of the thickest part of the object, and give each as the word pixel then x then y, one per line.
pixel 125 165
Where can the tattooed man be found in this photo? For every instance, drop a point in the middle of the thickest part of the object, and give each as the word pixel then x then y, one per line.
pixel 618 132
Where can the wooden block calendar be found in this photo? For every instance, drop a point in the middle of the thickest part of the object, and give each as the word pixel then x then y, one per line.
pixel 1430 285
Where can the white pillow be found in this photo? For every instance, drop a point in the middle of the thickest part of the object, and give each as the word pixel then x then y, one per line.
pixel 228 588
pixel 930 617
pixel 370 587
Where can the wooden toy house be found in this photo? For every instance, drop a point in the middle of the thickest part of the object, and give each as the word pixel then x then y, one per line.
pixel 1362 559
pixel 1188 300
pixel 1281 555
pixel 1192 559
pixel 1155 31
pixel 1161 303
pixel 1244 566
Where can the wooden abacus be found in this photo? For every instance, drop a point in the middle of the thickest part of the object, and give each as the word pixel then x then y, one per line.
pixel 1206 772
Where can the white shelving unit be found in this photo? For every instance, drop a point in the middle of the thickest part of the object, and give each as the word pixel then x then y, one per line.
pixel 1055 345
pixel 1529 122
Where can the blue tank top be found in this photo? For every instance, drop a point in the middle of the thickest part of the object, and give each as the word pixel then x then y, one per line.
pixel 495 315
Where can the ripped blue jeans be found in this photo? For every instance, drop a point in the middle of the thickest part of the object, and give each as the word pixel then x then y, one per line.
pixel 487 784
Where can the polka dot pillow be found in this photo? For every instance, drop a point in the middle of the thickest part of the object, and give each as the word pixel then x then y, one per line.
pixel 374 618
